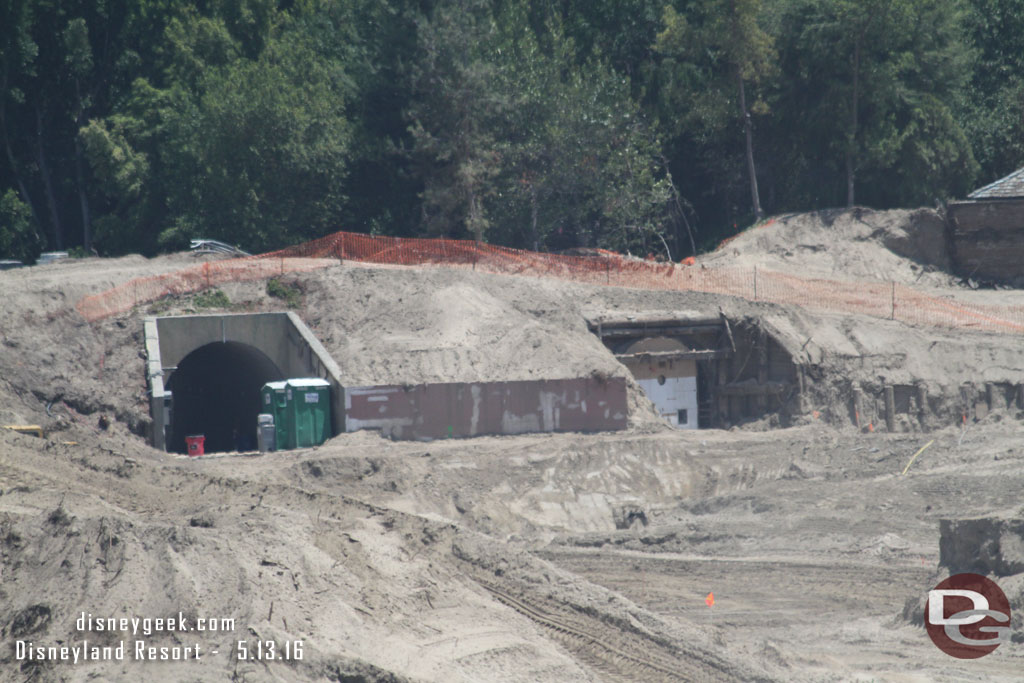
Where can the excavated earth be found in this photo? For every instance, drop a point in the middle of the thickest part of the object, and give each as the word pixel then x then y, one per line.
pixel 546 557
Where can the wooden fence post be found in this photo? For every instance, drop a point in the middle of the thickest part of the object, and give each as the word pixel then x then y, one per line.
pixel 890 409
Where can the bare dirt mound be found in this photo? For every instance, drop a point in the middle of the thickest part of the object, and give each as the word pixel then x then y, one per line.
pixel 382 326
pixel 548 557
pixel 905 246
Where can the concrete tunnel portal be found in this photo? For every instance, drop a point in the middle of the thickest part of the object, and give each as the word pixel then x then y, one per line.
pixel 205 372
pixel 216 391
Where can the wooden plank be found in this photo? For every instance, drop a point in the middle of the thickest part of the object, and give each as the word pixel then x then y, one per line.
pixel 724 414
pixel 34 430
pixel 753 388
pixel 709 354
pixel 621 332
pixel 728 332
pixel 655 322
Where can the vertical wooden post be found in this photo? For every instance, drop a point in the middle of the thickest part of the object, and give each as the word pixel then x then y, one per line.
pixel 922 403
pixel 762 367
pixel 712 385
pixel 890 409
pixel 990 396
pixel 801 382
pixel 1020 396
pixel 967 397
pixel 723 401
pixel 858 406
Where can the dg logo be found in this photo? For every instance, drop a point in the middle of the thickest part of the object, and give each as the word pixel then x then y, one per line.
pixel 967 616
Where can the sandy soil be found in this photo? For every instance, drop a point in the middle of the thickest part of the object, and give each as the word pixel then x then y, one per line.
pixel 546 557
pixel 906 246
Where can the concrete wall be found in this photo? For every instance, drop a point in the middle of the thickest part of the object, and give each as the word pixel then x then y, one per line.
pixel 670 384
pixel 282 337
pixel 987 239
pixel 674 398
pixel 438 411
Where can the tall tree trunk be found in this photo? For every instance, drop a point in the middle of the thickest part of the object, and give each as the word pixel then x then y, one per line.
pixel 851 141
pixel 22 187
pixel 748 128
pixel 533 217
pixel 679 207
pixel 475 218
pixel 44 171
pixel 83 198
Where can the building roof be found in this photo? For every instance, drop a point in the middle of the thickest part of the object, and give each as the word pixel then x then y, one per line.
pixel 1004 188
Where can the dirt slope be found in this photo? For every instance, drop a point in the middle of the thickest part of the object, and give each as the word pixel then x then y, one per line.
pixel 534 558
pixel 907 246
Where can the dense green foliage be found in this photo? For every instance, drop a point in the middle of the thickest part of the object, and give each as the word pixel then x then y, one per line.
pixel 643 125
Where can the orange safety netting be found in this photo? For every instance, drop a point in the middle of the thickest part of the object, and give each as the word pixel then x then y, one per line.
pixel 879 299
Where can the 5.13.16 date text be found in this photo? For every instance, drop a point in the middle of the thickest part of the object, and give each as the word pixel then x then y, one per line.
pixel 265 650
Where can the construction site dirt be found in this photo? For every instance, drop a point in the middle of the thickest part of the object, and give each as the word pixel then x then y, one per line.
pixel 795 540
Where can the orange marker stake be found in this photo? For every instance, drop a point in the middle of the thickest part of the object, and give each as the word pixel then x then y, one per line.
pixel 710 600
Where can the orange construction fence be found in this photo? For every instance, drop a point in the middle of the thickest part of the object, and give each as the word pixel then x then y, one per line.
pixel 878 299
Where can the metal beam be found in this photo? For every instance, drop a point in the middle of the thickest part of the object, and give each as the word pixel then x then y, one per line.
pixel 753 388
pixel 709 354
pixel 655 322
pixel 675 331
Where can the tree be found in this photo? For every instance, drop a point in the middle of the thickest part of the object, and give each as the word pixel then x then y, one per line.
pixel 991 106
pixel 219 143
pixel 875 81
pixel 740 51
pixel 260 156
pixel 457 108
pixel 519 140
pixel 18 236
pixel 586 162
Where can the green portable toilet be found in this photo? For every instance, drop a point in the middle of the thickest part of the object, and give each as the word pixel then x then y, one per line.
pixel 274 400
pixel 310 406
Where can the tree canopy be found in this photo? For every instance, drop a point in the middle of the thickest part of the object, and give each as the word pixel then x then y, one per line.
pixel 653 126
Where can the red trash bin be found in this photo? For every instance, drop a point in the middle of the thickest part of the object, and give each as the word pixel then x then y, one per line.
pixel 195 444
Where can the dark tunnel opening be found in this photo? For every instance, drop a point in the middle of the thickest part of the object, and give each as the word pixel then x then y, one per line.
pixel 216 391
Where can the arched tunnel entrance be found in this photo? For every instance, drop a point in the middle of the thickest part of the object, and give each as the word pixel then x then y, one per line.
pixel 726 372
pixel 216 390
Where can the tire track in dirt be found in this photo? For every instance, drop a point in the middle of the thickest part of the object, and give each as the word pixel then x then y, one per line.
pixel 595 649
